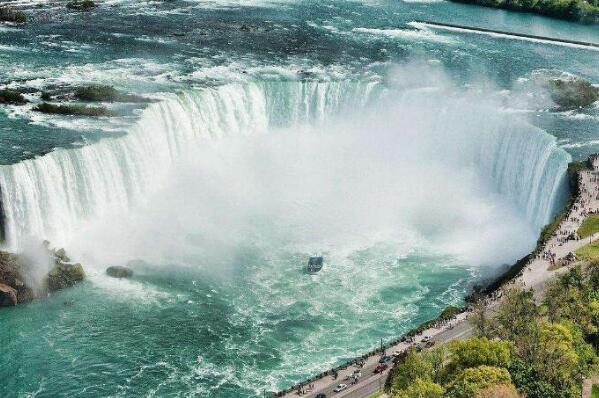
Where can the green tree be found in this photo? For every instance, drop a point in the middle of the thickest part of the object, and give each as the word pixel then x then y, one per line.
pixel 516 320
pixel 421 389
pixel 413 367
pixel 478 351
pixel 470 381
pixel 555 359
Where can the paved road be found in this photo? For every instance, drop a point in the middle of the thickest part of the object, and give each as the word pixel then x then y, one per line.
pixel 370 381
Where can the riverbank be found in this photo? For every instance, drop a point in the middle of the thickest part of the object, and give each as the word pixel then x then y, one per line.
pixel 551 258
pixel 474 29
pixel 576 10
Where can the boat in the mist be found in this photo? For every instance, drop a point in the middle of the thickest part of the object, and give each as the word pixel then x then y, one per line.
pixel 315 264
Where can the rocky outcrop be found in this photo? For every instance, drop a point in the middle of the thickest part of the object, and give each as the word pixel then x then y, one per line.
pixel 64 275
pixel 8 296
pixel 118 271
pixel 566 90
pixel 14 270
pixel 572 92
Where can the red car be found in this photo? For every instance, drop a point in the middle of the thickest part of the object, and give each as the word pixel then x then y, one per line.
pixel 381 368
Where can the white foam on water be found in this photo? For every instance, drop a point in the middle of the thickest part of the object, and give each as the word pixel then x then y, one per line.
pixel 407 34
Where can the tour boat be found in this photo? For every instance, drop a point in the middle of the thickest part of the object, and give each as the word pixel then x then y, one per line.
pixel 314 264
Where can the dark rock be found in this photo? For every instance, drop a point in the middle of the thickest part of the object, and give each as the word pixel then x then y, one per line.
pixel 81 5
pixel 64 275
pixel 61 254
pixel 119 271
pixel 9 14
pixel 572 92
pixel 8 296
pixel 96 93
pixel 72 109
pixel 12 97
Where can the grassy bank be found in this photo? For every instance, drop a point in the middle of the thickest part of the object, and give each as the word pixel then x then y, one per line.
pixel 589 226
pixel 571 10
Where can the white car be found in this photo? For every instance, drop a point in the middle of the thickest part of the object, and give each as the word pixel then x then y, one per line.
pixel 396 353
pixel 340 387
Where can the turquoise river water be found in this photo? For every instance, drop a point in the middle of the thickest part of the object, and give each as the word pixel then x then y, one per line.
pixel 418 160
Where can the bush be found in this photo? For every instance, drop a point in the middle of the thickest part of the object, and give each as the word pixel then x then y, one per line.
pixel 78 110
pixel 9 14
pixel 12 97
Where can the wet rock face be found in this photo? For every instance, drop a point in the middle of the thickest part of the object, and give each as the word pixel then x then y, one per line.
pixel 64 275
pixel 8 296
pixel 119 272
pixel 13 283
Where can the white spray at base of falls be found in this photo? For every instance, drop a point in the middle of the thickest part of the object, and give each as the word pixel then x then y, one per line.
pixel 55 196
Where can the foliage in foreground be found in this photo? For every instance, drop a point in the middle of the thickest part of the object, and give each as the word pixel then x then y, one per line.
pixel 524 350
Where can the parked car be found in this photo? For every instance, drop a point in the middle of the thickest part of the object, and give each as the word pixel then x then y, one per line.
pixel 357 373
pixel 321 395
pixel 385 358
pixel 381 368
pixel 396 353
pixel 340 387
pixel 429 344
pixel 419 347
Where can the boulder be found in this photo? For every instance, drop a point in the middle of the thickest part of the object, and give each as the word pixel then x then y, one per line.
pixel 8 296
pixel 119 271
pixel 64 275
pixel 572 92
pixel 61 254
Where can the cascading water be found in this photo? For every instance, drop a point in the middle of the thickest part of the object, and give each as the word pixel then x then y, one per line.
pixel 49 197
pixel 223 192
pixel 52 196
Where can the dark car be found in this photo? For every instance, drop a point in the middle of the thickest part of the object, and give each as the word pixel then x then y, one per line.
pixel 321 395
pixel 384 359
pixel 381 368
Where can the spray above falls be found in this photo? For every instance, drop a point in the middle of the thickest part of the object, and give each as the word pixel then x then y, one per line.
pixel 61 194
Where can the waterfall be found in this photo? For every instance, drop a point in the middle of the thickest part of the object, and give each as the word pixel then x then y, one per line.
pixel 53 196
pixel 527 166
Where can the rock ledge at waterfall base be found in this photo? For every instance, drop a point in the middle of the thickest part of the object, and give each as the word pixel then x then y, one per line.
pixel 17 283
